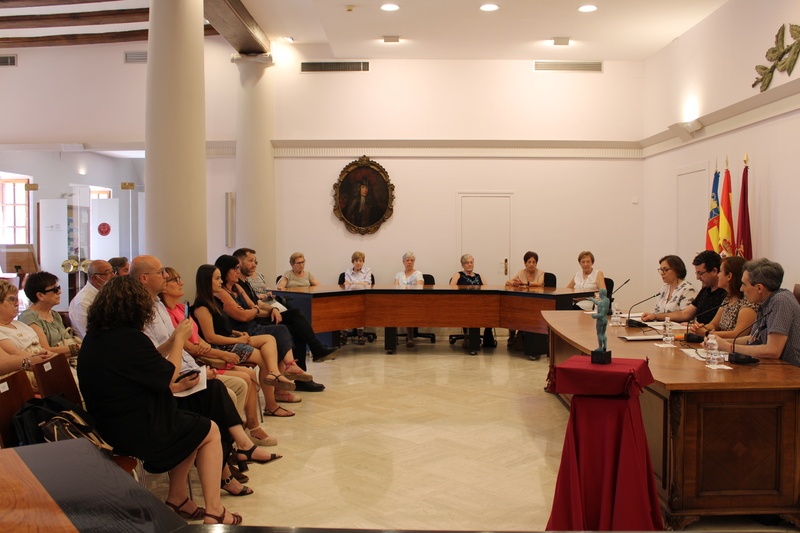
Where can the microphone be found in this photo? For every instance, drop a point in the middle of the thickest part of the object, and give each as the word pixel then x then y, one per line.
pixel 693 337
pixel 740 358
pixel 635 323
pixel 618 288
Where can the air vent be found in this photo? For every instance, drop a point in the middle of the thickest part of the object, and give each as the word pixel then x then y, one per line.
pixel 136 57
pixel 8 60
pixel 339 66
pixel 568 66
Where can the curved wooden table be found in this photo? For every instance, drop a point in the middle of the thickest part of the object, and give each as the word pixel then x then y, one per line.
pixel 333 308
pixel 723 442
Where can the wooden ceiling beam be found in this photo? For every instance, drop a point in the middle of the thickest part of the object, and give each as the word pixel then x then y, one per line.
pixel 83 38
pixel 84 18
pixel 42 3
pixel 232 20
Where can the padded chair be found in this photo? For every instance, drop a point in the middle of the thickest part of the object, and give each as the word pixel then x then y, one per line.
pixel 370 336
pixel 797 292
pixel 427 279
pixel 610 292
pixel 54 376
pixel 15 390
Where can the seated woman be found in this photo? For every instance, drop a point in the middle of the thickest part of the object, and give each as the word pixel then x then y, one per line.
pixel 44 293
pixel 297 276
pixel 468 276
pixel 197 347
pixel 216 329
pixel 409 276
pixel 677 293
pixel 19 344
pixel 126 384
pixel 530 276
pixel 587 279
pixel 736 313
pixel 358 275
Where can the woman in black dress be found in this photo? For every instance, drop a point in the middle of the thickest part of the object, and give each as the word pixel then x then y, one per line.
pixel 126 385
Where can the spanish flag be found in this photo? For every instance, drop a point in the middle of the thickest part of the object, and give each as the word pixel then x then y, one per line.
pixel 712 230
pixel 727 243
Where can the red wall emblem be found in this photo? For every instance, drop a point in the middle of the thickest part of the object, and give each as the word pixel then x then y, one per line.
pixel 104 229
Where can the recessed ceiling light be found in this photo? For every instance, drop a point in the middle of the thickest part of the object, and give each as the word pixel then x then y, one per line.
pixel 489 7
pixel 391 38
pixel 560 41
pixel 390 7
pixel 289 39
pixel 587 9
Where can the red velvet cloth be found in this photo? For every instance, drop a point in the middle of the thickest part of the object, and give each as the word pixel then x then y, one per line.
pixel 605 481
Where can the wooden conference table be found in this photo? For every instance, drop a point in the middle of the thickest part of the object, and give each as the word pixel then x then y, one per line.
pixel 722 442
pixel 336 307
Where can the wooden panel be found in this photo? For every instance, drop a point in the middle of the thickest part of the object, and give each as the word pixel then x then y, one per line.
pixel 524 313
pixel 26 506
pixel 740 449
pixel 340 312
pixel 407 309
pixel 656 426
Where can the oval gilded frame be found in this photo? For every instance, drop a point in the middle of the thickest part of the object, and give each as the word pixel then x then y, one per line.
pixel 363 196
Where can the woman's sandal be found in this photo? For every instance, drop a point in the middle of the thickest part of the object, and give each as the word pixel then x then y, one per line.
pixel 278 409
pixel 198 513
pixel 272 380
pixel 296 376
pixel 246 491
pixel 287 397
pixel 240 476
pixel 261 441
pixel 249 455
pixel 237 519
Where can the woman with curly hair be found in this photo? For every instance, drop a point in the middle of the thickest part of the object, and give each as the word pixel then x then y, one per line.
pixel 126 385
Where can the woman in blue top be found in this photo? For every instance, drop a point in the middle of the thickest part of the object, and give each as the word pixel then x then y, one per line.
pixel 409 276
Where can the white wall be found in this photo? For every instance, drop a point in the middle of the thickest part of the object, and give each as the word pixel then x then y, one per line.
pixel 713 65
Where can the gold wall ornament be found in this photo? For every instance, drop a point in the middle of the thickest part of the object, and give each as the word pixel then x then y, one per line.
pixel 363 196
pixel 783 57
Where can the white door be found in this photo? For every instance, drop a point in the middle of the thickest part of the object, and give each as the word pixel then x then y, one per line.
pixel 485 233
pixel 693 199
pixel 104 229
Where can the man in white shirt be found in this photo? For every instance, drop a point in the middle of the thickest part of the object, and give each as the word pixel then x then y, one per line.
pixel 99 272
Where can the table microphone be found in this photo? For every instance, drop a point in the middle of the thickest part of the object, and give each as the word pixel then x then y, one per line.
pixel 694 337
pixel 618 288
pixel 636 323
pixel 740 358
pixel 611 296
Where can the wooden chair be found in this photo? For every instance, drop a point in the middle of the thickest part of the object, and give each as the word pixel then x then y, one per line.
pixel 15 390
pixel 54 376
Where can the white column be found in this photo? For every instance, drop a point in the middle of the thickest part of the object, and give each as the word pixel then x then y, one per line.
pixel 175 166
pixel 255 175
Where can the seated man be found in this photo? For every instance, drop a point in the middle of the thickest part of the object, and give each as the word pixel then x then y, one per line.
pixel 776 331
pixel 302 332
pixel 120 265
pixel 708 300
pixel 99 272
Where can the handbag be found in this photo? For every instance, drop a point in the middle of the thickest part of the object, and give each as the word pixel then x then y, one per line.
pixel 69 339
pixel 68 425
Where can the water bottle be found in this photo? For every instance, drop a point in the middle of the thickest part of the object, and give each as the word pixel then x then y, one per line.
pixel 616 318
pixel 712 350
pixel 668 338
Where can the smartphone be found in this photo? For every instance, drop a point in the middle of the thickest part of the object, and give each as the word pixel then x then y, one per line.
pixel 186 308
pixel 187 374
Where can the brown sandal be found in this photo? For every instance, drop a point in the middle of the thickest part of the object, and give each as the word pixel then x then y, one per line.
pixel 237 519
pixel 198 513
pixel 273 380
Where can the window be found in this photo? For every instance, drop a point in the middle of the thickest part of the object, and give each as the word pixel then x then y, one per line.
pixel 15 211
pixel 99 193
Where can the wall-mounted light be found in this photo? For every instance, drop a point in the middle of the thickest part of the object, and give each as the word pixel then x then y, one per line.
pixel 391 38
pixel 489 7
pixel 587 9
pixel 560 41
pixel 686 131
pixel 390 7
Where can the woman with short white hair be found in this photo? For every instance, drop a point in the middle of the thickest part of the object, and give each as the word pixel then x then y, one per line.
pixel 409 276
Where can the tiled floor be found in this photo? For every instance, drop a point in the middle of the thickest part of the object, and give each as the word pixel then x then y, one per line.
pixel 426 438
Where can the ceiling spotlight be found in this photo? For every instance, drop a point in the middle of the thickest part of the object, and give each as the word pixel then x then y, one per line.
pixel 489 7
pixel 390 7
pixel 587 9
pixel 560 41
pixel 391 38
pixel 290 39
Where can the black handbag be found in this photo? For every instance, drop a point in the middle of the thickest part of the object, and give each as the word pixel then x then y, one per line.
pixel 30 419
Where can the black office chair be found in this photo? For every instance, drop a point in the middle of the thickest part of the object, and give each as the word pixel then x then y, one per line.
pixel 370 335
pixel 609 292
pixel 427 279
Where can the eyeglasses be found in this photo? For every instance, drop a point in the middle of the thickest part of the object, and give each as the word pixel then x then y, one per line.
pixel 176 280
pixel 109 273
pixel 160 272
pixel 12 299
pixel 698 274
pixel 54 289
pixel 663 270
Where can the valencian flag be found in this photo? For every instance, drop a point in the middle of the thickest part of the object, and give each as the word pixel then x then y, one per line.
pixel 744 247
pixel 727 246
pixel 712 230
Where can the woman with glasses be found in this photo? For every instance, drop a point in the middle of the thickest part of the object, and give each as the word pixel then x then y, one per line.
pixel 44 293
pixel 19 344
pixel 297 276
pixel 677 293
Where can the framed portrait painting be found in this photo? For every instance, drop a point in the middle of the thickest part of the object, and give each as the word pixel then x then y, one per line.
pixel 363 196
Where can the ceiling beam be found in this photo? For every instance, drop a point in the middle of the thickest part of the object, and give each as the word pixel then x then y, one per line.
pixel 41 3
pixel 85 18
pixel 232 20
pixel 83 38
